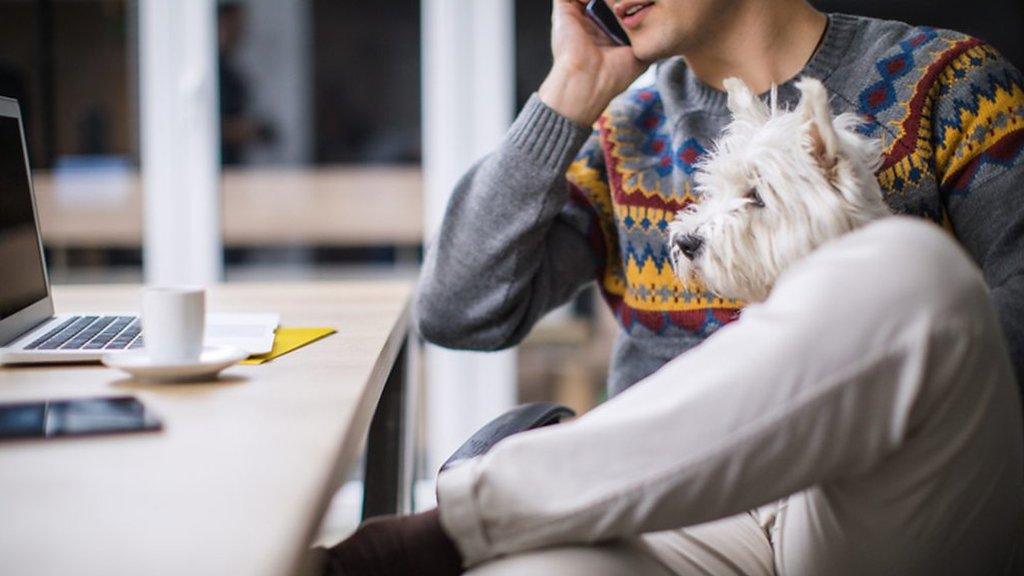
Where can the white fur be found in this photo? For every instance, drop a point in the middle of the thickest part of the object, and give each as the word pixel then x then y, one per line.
pixel 814 173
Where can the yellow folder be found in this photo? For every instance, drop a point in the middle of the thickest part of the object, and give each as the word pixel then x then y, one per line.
pixel 288 339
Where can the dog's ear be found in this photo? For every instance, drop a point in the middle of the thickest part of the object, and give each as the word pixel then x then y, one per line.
pixel 822 139
pixel 743 104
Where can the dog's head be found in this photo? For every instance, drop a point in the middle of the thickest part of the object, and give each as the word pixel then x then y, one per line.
pixel 776 185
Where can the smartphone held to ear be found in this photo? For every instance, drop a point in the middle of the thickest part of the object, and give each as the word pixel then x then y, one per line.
pixel 599 12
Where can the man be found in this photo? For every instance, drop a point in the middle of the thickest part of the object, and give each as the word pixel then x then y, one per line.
pixel 559 205
pixel 240 129
pixel 520 238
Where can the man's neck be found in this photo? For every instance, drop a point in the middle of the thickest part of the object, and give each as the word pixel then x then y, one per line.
pixel 766 43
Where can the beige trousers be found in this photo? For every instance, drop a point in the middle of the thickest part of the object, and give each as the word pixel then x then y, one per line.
pixel 863 420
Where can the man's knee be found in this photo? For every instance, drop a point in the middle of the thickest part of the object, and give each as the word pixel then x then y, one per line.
pixel 613 559
pixel 892 269
pixel 936 274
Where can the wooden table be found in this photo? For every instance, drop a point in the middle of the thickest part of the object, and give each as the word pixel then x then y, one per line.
pixel 239 478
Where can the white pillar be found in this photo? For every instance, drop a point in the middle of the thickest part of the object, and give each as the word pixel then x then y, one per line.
pixel 468 103
pixel 179 140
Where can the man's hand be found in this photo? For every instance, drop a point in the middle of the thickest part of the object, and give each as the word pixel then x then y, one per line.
pixel 589 69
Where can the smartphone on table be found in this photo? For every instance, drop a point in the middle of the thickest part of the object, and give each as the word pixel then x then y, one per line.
pixel 600 14
pixel 78 417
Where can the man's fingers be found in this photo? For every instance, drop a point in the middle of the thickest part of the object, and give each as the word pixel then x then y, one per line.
pixel 573 11
pixel 575 4
pixel 597 36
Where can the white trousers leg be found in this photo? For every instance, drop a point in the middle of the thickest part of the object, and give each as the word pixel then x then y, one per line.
pixel 734 546
pixel 872 390
pixel 626 558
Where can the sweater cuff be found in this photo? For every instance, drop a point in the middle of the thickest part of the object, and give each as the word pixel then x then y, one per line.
pixel 545 136
pixel 460 515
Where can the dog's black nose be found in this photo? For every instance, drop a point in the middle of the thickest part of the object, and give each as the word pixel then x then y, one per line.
pixel 690 244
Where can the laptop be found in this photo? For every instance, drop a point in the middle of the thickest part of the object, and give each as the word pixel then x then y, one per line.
pixel 30 333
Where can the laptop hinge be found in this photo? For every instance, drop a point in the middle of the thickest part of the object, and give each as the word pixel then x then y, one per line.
pixel 27 331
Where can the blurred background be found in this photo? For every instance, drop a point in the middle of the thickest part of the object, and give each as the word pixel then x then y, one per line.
pixel 336 130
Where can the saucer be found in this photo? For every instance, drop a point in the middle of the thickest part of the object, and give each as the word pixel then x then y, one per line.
pixel 211 361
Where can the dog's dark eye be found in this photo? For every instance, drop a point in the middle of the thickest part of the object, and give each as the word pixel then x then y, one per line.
pixel 755 198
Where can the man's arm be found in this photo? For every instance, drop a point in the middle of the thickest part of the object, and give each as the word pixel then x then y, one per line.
pixel 510 248
pixel 512 245
pixel 988 218
pixel 979 139
pixel 1009 301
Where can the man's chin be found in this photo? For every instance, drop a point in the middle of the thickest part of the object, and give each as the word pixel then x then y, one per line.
pixel 646 48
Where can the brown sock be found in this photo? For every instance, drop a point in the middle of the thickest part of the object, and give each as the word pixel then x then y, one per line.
pixel 396 546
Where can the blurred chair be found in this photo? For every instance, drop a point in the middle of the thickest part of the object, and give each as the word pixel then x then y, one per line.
pixel 520 419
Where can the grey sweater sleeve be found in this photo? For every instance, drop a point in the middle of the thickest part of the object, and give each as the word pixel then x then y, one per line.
pixel 510 248
pixel 989 220
pixel 984 193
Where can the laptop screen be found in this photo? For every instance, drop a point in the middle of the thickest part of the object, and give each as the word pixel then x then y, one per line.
pixel 21 265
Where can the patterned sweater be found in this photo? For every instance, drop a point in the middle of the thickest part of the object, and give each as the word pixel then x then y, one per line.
pixel 558 206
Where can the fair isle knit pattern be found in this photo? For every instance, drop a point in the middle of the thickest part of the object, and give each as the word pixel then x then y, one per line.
pixel 948 108
pixel 632 201
pixel 960 116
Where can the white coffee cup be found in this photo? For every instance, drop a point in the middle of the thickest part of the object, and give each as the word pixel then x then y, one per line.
pixel 173 320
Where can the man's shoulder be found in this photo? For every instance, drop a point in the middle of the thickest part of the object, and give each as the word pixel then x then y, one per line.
pixel 889 64
pixel 939 98
pixel 874 38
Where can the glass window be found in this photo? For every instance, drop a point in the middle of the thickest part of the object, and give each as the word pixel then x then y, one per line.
pixel 71 66
pixel 320 107
pixel 533 47
pixel 320 82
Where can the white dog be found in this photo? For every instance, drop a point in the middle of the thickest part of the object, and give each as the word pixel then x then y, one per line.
pixel 776 186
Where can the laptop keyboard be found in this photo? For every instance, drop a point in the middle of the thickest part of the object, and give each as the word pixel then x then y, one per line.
pixel 92 333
